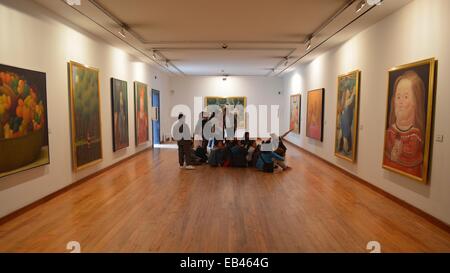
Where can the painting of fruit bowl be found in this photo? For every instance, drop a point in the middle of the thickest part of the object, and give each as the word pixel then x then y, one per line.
pixel 23 120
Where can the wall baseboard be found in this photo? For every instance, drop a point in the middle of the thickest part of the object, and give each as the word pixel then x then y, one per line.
pixel 49 197
pixel 437 222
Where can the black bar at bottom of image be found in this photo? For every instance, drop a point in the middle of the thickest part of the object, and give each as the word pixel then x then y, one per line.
pixel 225 262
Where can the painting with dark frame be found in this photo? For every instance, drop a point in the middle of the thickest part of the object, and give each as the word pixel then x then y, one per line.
pixel 85 116
pixel 295 102
pixel 314 116
pixel 141 113
pixel 409 119
pixel 24 140
pixel 347 115
pixel 119 109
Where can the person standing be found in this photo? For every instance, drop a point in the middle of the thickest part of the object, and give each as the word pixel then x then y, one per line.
pixel 182 134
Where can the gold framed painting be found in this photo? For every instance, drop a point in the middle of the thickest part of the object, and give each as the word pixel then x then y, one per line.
pixel 346 134
pixel 409 116
pixel 85 114
pixel 315 114
pixel 141 113
pixel 224 102
pixel 119 110
pixel 295 102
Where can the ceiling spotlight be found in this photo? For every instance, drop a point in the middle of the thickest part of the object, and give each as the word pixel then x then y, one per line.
pixel 224 46
pixel 286 61
pixel 374 2
pixel 73 2
pixel 360 5
pixel 122 32
pixel 308 44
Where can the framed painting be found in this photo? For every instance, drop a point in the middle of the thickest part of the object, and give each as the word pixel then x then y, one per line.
pixel 85 116
pixel 141 113
pixel 231 103
pixel 314 114
pixel 23 120
pixel 409 119
pixel 295 103
pixel 119 109
pixel 347 116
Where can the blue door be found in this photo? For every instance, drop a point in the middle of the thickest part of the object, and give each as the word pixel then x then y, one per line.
pixel 156 133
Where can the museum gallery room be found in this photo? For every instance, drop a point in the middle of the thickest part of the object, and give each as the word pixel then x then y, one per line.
pixel 257 126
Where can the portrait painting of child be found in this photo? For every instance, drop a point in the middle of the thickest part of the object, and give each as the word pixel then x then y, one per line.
pixel 408 123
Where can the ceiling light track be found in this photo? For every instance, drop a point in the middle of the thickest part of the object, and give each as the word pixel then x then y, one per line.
pixel 309 38
pixel 331 36
pixel 124 29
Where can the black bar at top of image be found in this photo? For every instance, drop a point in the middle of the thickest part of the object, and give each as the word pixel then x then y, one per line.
pixel 224 262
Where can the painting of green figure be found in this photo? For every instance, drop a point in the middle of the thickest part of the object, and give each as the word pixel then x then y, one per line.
pixel 85 116
pixel 119 101
pixel 347 115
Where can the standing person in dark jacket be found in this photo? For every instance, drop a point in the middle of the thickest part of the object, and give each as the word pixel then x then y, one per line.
pixel 182 134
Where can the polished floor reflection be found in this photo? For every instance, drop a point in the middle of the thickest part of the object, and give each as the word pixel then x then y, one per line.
pixel 149 204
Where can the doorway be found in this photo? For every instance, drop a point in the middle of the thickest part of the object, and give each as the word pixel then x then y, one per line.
pixel 156 121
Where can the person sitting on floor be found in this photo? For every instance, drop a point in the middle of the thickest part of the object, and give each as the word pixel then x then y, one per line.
pixel 268 160
pixel 250 151
pixel 238 155
pixel 217 155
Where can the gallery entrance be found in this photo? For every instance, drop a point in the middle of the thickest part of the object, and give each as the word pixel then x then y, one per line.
pixel 156 132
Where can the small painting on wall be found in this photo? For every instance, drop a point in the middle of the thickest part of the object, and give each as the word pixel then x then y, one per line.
pixel 347 115
pixel 141 113
pixel 23 120
pixel 119 106
pixel 294 110
pixel 314 117
pixel 409 119
pixel 85 116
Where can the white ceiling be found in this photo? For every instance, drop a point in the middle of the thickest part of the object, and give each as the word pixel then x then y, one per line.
pixel 263 37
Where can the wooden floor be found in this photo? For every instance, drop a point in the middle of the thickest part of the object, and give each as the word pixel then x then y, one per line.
pixel 147 204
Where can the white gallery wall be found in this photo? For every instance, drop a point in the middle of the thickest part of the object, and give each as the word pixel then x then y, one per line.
pixel 418 31
pixel 35 39
pixel 262 91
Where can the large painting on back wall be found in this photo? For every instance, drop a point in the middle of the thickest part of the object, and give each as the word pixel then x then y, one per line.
pixel 119 103
pixel 347 115
pixel 229 102
pixel 23 120
pixel 141 112
pixel 294 116
pixel 314 116
pixel 409 119
pixel 85 116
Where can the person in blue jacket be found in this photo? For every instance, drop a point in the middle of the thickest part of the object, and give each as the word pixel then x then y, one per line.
pixel 270 156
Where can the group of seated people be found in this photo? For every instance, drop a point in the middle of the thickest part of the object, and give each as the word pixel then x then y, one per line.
pixel 242 154
pixel 264 155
